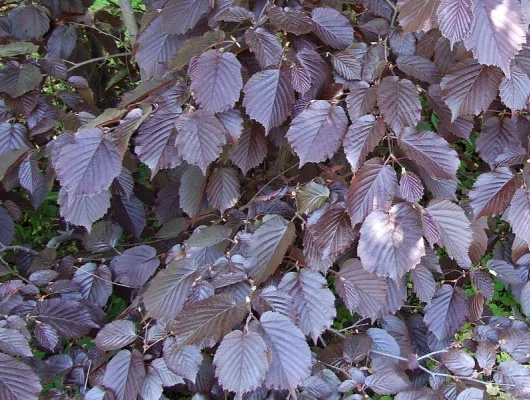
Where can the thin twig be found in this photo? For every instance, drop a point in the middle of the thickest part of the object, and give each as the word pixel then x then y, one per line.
pixel 429 355
pixel 19 248
pixel 103 58
pixel 458 377
pixel 104 280
pixel 388 355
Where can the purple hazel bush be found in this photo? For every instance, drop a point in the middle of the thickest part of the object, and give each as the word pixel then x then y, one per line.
pixel 266 199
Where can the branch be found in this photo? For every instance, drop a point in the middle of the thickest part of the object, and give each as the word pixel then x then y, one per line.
pixel 129 20
pixel 457 377
pixel 93 60
pixel 19 248
pixel 54 242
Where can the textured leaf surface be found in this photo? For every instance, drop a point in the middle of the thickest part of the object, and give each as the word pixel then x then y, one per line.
pixel 88 164
pixel 68 317
pixel 492 192
pixel 431 151
pixel 361 291
pixel 179 16
pixel 265 46
pixel 268 97
pixel 311 196
pixel 454 228
pixel 372 188
pixel 399 103
pixel 502 22
pixel 333 231
pixel 136 265
pixel 182 360
pixel 15 79
pixel 446 312
pixel 223 189
pixel 388 382
pixel 17 380
pixel 333 28
pixel 125 374
pixel 363 135
pixel 424 283
pixel 167 293
pixel 456 19
pixel 216 80
pixel 419 67
pixel 95 282
pixel 316 134
pixel 116 335
pixel 290 355
pixel 470 87
pixel 251 148
pixel 200 138
pixel 417 15
pixel 391 243
pixel 13 137
pixel 459 362
pixel 241 361
pixel 518 214
pixel 268 246
pixel 12 342
pixel 313 300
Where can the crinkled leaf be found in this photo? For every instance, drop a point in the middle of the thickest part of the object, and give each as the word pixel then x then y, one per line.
pixel 251 148
pixel 207 236
pixel 333 28
pixel 191 190
pixel 8 227
pixel 13 137
pixel 125 374
pixel 116 335
pixel 388 381
pixel 136 265
pixel 268 246
pixel 471 394
pixel 223 189
pixel 518 215
pixel 265 46
pixel 241 361
pixel 515 375
pixel 516 342
pixel 391 243
pixel 290 20
pixel 268 97
pixel 333 231
pixel 456 19
pixel 313 300
pixel 95 282
pixel 447 311
pixel 290 355
pixel 423 282
pixel 420 68
pixel 216 80
pixel 514 91
pixel 410 187
pixel 497 137
pixel 200 138
pixel 372 188
pixel 83 210
pixel 167 293
pixel 316 134
pixel 363 135
pixel 14 343
pixel 361 291
pixel 361 99
pixel 62 41
pixel 399 102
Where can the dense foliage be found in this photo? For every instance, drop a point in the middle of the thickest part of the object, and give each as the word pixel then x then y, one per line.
pixel 265 199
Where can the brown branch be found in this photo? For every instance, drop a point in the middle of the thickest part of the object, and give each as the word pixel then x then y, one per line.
pixel 129 20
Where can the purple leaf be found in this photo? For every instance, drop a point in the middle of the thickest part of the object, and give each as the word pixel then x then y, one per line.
pixel 410 187
pixel 241 361
pixel 125 374
pixel 216 80
pixel 316 134
pixel 290 20
pixel 265 46
pixel 14 343
pixel 136 265
pixel 13 137
pixel 200 138
pixel 361 99
pixel 391 244
pixel 333 232
pixel 333 28
pixel 68 317
pixel 497 136
pixel 459 362
pixel 179 16
pixel 83 210
pixel 62 41
pixel 388 381
pixel 311 197
pixel 17 380
pixel 399 103
pixel 417 15
pixel 8 228
pixel 518 215
pixel 182 360
pixel 16 79
pixel 251 148
pixel 116 335
pixel 456 19
pixel 95 283
pixel 268 97
pixel 447 311
pixel 223 189
pixel 420 68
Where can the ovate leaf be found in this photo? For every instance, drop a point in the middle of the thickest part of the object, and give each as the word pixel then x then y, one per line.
pixel 68 317
pixel 216 80
pixel 14 343
pixel 459 362
pixel 182 360
pixel 388 381
pixel 251 148
pixel 95 282
pixel 83 210
pixel 17 380
pixel 492 192
pixel 399 103
pixel 430 151
pixel 372 188
pixel 417 15
pixel 290 355
pixel 333 28
pixel 361 291
pixel 391 244
pixel 316 134
pixel 456 19
pixel 469 87
pixel 16 79
pixel 333 232
pixel 419 68
pixel 454 229
pixel 410 187
pixel 266 48
pixel 125 374
pixel 179 16
pixel 506 38
pixel 311 196
pixel 116 335
pixel 518 215
pixel 268 97
pixel 362 137
pixel 514 91
pixel 136 265
pixel 223 189
pixel 290 20
pixel 447 311
pixel 88 164
pixel 313 300
pixel 167 293
pixel 241 361
pixel 268 246
pixel 423 283
pixel 200 138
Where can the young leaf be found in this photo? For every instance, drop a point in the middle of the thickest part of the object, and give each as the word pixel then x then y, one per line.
pixel 313 300
pixel 447 311
pixel 410 187
pixel 459 362
pixel 116 335
pixel 241 361
pixel 216 80
pixel 125 374
pixel 372 188
pixel 136 265
pixel 391 244
pixel 316 134
pixel 268 97
pixel 311 196
pixel 290 355
pixel 268 246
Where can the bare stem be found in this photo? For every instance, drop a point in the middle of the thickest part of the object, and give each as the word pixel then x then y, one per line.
pixel 103 58
pixel 129 20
